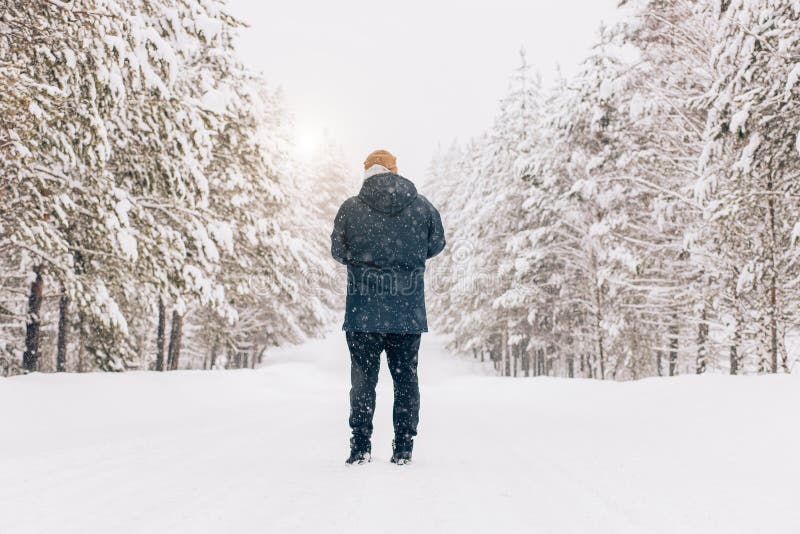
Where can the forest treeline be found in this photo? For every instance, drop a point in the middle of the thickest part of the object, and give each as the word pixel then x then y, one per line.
pixel 151 212
pixel 641 218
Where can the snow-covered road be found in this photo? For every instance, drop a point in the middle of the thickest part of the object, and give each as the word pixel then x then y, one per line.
pixel 263 451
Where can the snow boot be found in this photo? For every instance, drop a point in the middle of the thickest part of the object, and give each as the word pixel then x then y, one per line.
pixel 360 452
pixel 358 458
pixel 401 450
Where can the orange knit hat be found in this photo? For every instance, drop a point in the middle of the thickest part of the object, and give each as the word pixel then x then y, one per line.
pixel 381 157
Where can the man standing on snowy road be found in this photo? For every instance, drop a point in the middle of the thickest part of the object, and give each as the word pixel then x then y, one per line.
pixel 384 236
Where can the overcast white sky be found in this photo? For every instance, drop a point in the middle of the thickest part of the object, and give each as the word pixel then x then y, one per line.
pixel 410 74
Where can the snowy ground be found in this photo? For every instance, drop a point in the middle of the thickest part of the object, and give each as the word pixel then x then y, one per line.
pixel 263 451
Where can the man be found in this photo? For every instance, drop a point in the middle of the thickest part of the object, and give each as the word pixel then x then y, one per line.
pixel 384 236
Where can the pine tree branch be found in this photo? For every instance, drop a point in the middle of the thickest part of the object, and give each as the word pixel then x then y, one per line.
pixel 70 9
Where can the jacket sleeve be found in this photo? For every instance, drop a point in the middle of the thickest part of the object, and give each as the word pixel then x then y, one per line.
pixel 436 239
pixel 339 249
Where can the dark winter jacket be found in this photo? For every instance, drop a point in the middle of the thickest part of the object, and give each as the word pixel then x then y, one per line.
pixel 383 236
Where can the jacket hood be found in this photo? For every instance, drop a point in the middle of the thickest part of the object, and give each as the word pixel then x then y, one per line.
pixel 387 193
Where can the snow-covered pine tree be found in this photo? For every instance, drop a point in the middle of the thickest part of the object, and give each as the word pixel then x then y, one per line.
pixel 480 192
pixel 750 163
pixel 63 188
pixel 117 171
pixel 163 160
pixel 449 181
pixel 272 278
pixel 514 137
pixel 588 199
pixel 669 44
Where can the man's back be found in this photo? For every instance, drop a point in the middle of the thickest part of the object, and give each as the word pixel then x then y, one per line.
pixel 384 236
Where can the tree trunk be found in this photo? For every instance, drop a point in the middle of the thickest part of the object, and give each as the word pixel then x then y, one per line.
pixel 736 358
pixel 773 326
pixel 526 362
pixel 598 298
pixel 571 366
pixel 176 333
pixel 601 355
pixel 702 342
pixel 673 346
pixel 773 300
pixel 515 353
pixel 659 364
pixel 214 349
pixel 81 350
pixel 33 337
pixel 63 332
pixel 504 354
pixel 160 335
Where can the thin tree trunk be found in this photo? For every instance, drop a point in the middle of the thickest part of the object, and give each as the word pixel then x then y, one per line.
pixel 773 291
pixel 63 332
pixel 504 354
pixel 571 366
pixel 527 361
pixel 176 333
pixel 702 342
pixel 33 337
pixel 515 353
pixel 773 326
pixel 600 354
pixel 736 358
pixel 214 349
pixel 673 346
pixel 599 321
pixel 659 364
pixel 160 335
pixel 81 351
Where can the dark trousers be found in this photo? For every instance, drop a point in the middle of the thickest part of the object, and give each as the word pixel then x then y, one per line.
pixel 365 360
